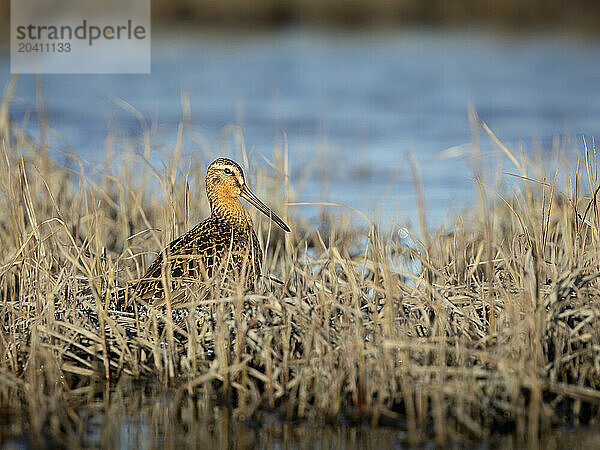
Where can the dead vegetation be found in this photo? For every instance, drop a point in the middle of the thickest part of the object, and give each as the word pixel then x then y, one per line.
pixel 491 327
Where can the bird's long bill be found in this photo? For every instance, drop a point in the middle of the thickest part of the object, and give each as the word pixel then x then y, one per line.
pixel 247 194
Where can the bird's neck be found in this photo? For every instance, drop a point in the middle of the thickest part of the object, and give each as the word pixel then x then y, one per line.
pixel 229 209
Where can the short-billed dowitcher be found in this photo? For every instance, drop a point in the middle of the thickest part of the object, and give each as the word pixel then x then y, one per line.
pixel 225 241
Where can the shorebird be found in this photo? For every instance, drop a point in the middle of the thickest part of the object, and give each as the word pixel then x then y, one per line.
pixel 225 242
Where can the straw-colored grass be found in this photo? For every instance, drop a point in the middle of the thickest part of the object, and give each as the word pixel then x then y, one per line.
pixel 489 328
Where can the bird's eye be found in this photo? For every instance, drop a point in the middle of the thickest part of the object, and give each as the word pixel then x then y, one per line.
pixel 228 171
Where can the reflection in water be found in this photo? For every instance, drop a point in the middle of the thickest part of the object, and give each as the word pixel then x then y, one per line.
pixel 136 415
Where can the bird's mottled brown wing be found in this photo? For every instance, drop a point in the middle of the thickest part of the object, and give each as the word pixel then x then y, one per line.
pixel 184 245
pixel 196 254
pixel 185 259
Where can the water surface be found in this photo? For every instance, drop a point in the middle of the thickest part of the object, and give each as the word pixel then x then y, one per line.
pixel 354 107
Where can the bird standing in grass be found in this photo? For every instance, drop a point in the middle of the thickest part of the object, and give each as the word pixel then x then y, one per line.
pixel 224 243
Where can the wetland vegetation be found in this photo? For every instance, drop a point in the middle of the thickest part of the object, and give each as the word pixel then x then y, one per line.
pixel 482 330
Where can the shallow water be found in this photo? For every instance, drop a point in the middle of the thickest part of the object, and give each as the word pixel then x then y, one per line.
pixel 138 415
pixel 223 432
pixel 353 107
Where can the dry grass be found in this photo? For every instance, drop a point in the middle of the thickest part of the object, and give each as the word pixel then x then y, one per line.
pixel 490 328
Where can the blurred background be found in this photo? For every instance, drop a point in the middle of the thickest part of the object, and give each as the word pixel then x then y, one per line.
pixel 356 90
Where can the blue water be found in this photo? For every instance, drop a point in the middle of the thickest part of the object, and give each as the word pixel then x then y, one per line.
pixel 354 107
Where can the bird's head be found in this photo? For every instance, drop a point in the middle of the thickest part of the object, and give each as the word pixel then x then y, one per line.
pixel 225 177
pixel 225 181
